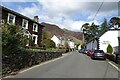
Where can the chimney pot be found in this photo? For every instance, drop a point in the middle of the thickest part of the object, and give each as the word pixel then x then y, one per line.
pixel 36 18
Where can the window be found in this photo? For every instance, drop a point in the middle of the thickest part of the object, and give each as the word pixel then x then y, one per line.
pixel 11 18
pixel 34 38
pixel 27 44
pixel 28 35
pixel 35 27
pixel 25 24
pixel 99 51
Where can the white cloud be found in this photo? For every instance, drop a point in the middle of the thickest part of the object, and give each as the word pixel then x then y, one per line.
pixel 76 25
pixel 101 15
pixel 60 0
pixel 69 7
pixel 58 6
pixel 59 12
pixel 29 11
pixel 18 0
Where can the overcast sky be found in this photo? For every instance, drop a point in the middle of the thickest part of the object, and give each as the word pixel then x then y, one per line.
pixel 69 14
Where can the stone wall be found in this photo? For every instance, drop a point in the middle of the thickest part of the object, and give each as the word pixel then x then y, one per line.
pixel 20 60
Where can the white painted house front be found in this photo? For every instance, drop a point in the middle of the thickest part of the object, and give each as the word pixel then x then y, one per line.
pixel 110 37
pixel 79 47
pixel 71 44
pixel 59 41
pixel 56 40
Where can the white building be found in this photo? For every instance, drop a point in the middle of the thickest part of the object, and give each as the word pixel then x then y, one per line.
pixel 71 44
pixel 110 37
pixel 79 47
pixel 56 40
pixel 92 44
pixel 60 41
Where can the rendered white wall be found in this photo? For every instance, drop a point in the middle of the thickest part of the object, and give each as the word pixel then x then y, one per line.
pixel 79 47
pixel 56 40
pixel 110 37
pixel 119 33
pixel 71 44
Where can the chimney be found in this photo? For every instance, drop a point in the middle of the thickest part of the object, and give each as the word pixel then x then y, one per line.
pixel 36 18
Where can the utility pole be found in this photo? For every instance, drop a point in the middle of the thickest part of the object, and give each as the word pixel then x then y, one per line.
pixel 83 36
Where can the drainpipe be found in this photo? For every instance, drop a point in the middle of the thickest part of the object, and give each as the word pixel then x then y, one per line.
pixel 118 53
pixel 98 43
pixel 119 45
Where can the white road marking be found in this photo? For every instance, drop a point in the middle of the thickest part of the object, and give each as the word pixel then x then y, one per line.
pixel 116 67
pixel 63 55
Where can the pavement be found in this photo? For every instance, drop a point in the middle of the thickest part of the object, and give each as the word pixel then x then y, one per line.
pixel 70 65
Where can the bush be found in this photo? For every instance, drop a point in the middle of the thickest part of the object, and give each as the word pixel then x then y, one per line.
pixel 12 38
pixel 47 43
pixel 109 49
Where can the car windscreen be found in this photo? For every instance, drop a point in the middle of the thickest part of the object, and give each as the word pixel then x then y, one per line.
pixel 99 51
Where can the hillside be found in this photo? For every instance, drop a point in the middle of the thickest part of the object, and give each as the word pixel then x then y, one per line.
pixel 55 30
pixel 77 35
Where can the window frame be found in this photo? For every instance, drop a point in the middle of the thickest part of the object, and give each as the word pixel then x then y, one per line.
pixel 36 30
pixel 13 22
pixel 36 38
pixel 23 20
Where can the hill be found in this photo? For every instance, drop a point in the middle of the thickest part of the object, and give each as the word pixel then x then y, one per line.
pixel 78 35
pixel 52 29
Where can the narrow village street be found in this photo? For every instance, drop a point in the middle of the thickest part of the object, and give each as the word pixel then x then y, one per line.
pixel 74 65
pixel 60 39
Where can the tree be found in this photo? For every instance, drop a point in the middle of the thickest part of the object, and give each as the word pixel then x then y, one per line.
pixel 94 29
pixel 85 28
pixel 66 45
pixel 45 34
pixel 104 25
pixel 90 31
pixel 115 21
pixel 13 38
pixel 48 43
pixel 109 49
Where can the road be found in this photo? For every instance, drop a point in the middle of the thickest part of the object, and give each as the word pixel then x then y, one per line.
pixel 74 65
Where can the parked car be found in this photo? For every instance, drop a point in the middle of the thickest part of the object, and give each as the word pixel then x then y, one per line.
pixel 79 50
pixel 118 59
pixel 98 54
pixel 89 52
pixel 84 51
